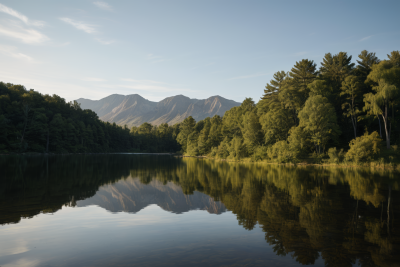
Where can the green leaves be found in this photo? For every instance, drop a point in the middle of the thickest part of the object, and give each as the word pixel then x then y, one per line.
pixel 318 117
pixel 364 147
pixel 386 78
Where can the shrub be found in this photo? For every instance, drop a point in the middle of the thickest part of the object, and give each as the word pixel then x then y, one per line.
pixel 364 148
pixel 223 149
pixel 214 151
pixel 237 148
pixel 282 152
pixel 335 156
pixel 260 153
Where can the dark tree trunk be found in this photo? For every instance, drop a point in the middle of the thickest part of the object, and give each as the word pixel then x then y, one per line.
pixel 388 211
pixel 47 142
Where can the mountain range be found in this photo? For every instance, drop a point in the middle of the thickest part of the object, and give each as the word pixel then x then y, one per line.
pixel 134 110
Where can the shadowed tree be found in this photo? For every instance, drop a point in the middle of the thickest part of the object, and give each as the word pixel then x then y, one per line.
pixel 386 78
pixel 351 91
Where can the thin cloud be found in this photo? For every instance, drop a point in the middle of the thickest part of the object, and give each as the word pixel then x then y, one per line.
pixel 365 38
pixel 16 14
pixel 29 36
pixel 80 25
pixel 103 5
pixel 92 79
pixel 248 76
pixel 12 52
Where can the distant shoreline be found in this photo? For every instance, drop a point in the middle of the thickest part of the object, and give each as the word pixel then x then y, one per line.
pixel 373 165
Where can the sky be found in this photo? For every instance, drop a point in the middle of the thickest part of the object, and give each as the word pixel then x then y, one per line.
pixel 92 49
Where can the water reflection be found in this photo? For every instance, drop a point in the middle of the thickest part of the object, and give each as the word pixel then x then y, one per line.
pixel 130 195
pixel 344 216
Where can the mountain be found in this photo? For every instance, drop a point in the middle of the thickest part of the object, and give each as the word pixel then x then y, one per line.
pixel 130 195
pixel 134 110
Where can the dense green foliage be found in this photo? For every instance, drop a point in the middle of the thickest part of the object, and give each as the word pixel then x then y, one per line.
pixel 32 122
pixel 308 111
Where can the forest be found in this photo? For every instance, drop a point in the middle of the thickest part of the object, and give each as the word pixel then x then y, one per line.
pixel 342 111
pixel 32 122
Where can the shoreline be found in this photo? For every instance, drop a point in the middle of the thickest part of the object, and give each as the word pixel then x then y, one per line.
pixel 370 165
pixel 375 165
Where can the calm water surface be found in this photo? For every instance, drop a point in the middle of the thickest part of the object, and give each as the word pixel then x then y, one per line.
pixel 141 210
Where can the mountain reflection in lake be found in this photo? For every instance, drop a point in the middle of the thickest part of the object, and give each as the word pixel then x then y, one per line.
pixel 124 210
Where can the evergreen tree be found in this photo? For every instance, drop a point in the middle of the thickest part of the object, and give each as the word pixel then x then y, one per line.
pixel 186 128
pixel 302 74
pixel 203 143
pixel 394 58
pixel 367 59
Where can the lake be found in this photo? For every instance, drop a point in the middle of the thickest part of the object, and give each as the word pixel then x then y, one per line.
pixel 145 210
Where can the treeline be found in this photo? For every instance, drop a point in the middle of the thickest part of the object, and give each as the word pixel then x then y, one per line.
pixel 309 111
pixel 32 122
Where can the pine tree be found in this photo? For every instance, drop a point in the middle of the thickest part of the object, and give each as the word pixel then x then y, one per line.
pixel 296 91
pixel 186 128
pixel 336 68
pixel 203 144
pixel 367 59
pixel 394 58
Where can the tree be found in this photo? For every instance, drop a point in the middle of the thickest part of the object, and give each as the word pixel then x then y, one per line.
pixel 302 74
pixel 36 132
pixel 386 78
pixel 215 135
pixel 351 90
pixel 320 87
pixel 203 144
pixel 336 68
pixel 145 128
pixel 363 147
pixel 3 132
pixel 275 84
pixel 55 133
pixel 394 58
pixel 367 60
pixel 251 130
pixel 272 90
pixel 186 128
pixel 276 124
pixel 318 117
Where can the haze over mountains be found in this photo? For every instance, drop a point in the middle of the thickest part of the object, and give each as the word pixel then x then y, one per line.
pixel 134 110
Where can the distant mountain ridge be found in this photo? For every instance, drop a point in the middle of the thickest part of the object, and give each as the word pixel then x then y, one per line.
pixel 134 110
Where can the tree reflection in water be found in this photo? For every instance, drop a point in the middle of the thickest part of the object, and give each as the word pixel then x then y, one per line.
pixel 343 215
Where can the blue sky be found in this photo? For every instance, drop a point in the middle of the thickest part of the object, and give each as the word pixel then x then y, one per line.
pixel 92 49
